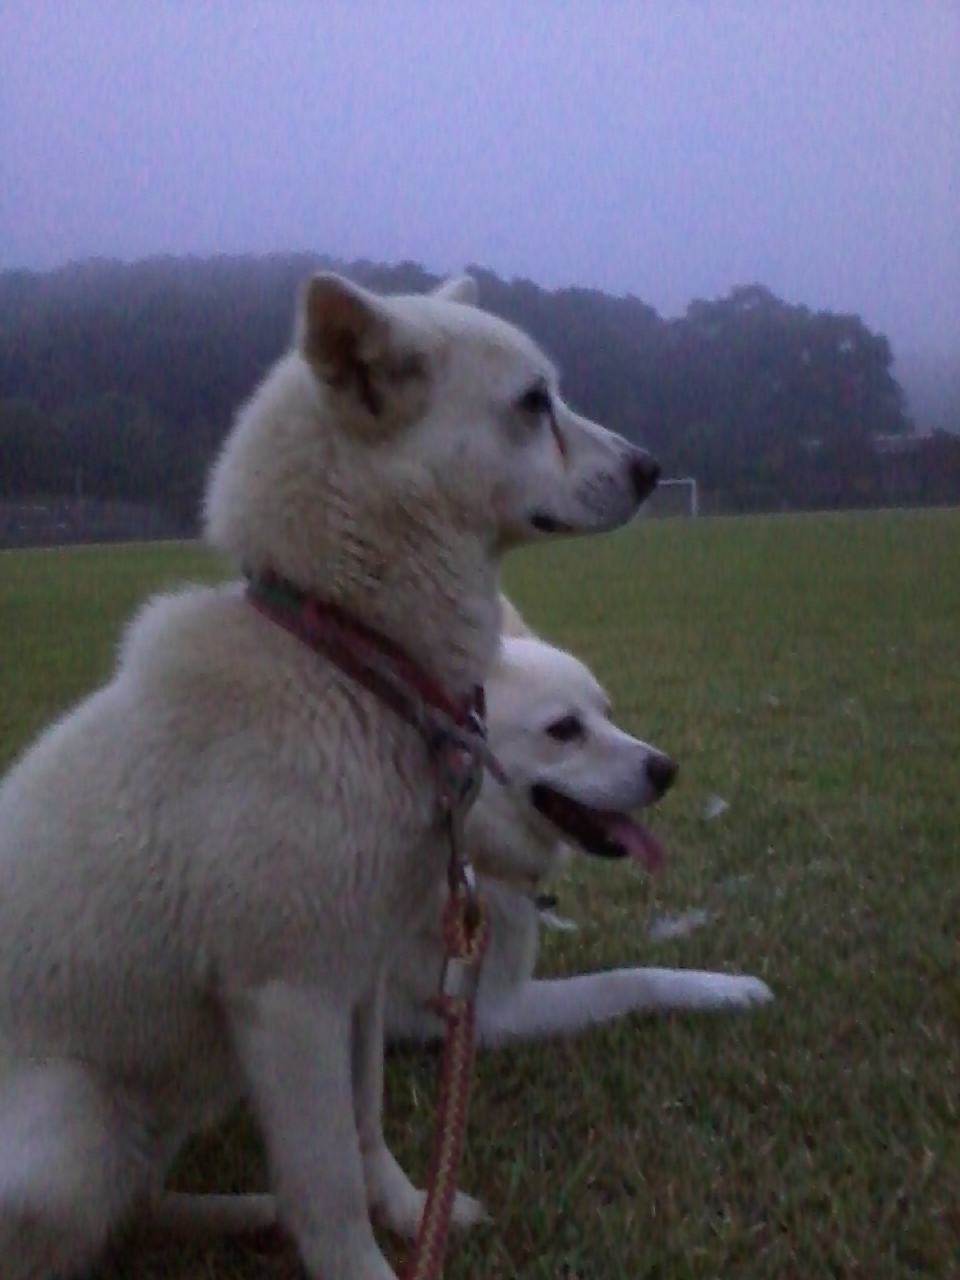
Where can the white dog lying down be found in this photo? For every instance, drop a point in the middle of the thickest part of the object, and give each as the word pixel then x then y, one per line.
pixel 204 867
pixel 574 778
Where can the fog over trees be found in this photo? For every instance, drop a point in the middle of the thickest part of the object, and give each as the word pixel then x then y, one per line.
pixel 117 383
pixel 931 382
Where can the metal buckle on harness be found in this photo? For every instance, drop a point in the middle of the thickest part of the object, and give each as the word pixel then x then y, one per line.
pixel 460 754
pixel 459 979
pixel 460 975
pixel 461 877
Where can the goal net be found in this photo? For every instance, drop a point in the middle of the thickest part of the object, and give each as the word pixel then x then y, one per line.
pixel 673 497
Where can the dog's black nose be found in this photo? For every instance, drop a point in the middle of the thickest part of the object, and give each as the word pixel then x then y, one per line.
pixel 662 772
pixel 644 473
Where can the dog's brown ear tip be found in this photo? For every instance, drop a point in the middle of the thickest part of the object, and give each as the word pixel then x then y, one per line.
pixel 337 320
pixel 330 302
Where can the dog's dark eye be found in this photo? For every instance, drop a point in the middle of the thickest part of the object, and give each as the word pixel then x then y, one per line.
pixel 535 400
pixel 566 729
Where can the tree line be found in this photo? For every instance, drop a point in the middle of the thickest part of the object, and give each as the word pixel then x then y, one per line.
pixel 119 381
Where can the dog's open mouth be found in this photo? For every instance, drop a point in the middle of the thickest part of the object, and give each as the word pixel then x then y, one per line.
pixel 601 832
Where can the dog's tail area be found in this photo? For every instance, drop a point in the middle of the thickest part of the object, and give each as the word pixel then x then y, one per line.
pixel 72 1163
pixel 541 1009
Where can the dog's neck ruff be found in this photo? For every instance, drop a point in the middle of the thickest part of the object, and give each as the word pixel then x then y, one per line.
pixel 381 666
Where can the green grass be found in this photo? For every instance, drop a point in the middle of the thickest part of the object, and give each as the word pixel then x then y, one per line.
pixel 808 671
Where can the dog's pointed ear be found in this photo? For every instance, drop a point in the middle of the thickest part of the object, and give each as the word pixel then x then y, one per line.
pixel 341 326
pixel 357 344
pixel 458 289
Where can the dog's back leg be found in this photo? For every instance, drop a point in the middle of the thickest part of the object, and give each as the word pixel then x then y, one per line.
pixel 73 1160
pixel 542 1008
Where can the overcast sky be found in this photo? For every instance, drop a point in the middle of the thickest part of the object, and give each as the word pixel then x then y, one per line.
pixel 670 148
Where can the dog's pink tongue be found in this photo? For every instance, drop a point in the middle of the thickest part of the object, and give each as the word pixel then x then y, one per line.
pixel 637 841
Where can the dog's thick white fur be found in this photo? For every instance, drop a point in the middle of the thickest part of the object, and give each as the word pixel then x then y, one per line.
pixel 549 724
pixel 204 866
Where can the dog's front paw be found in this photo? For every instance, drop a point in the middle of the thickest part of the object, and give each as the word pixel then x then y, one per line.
pixel 468 1212
pixel 402 1210
pixel 394 1201
pixel 746 991
pixel 399 1213
pixel 396 1204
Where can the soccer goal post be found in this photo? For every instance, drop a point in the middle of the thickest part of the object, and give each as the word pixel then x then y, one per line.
pixel 688 494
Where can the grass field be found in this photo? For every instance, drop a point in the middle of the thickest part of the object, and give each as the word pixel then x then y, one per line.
pixel 805 669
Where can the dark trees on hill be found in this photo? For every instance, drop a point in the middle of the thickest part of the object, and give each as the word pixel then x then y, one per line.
pixel 119 381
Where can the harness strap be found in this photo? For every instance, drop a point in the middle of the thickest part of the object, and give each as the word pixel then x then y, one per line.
pixel 381 667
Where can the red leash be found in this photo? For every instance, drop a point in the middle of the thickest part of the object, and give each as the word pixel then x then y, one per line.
pixel 456 1004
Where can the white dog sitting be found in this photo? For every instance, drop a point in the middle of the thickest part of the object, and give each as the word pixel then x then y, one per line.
pixel 203 867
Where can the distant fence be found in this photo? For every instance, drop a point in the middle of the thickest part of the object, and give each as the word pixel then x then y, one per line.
pixel 61 520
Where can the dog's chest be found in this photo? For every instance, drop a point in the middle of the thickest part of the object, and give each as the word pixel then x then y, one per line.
pixel 381 846
pixel 342 836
